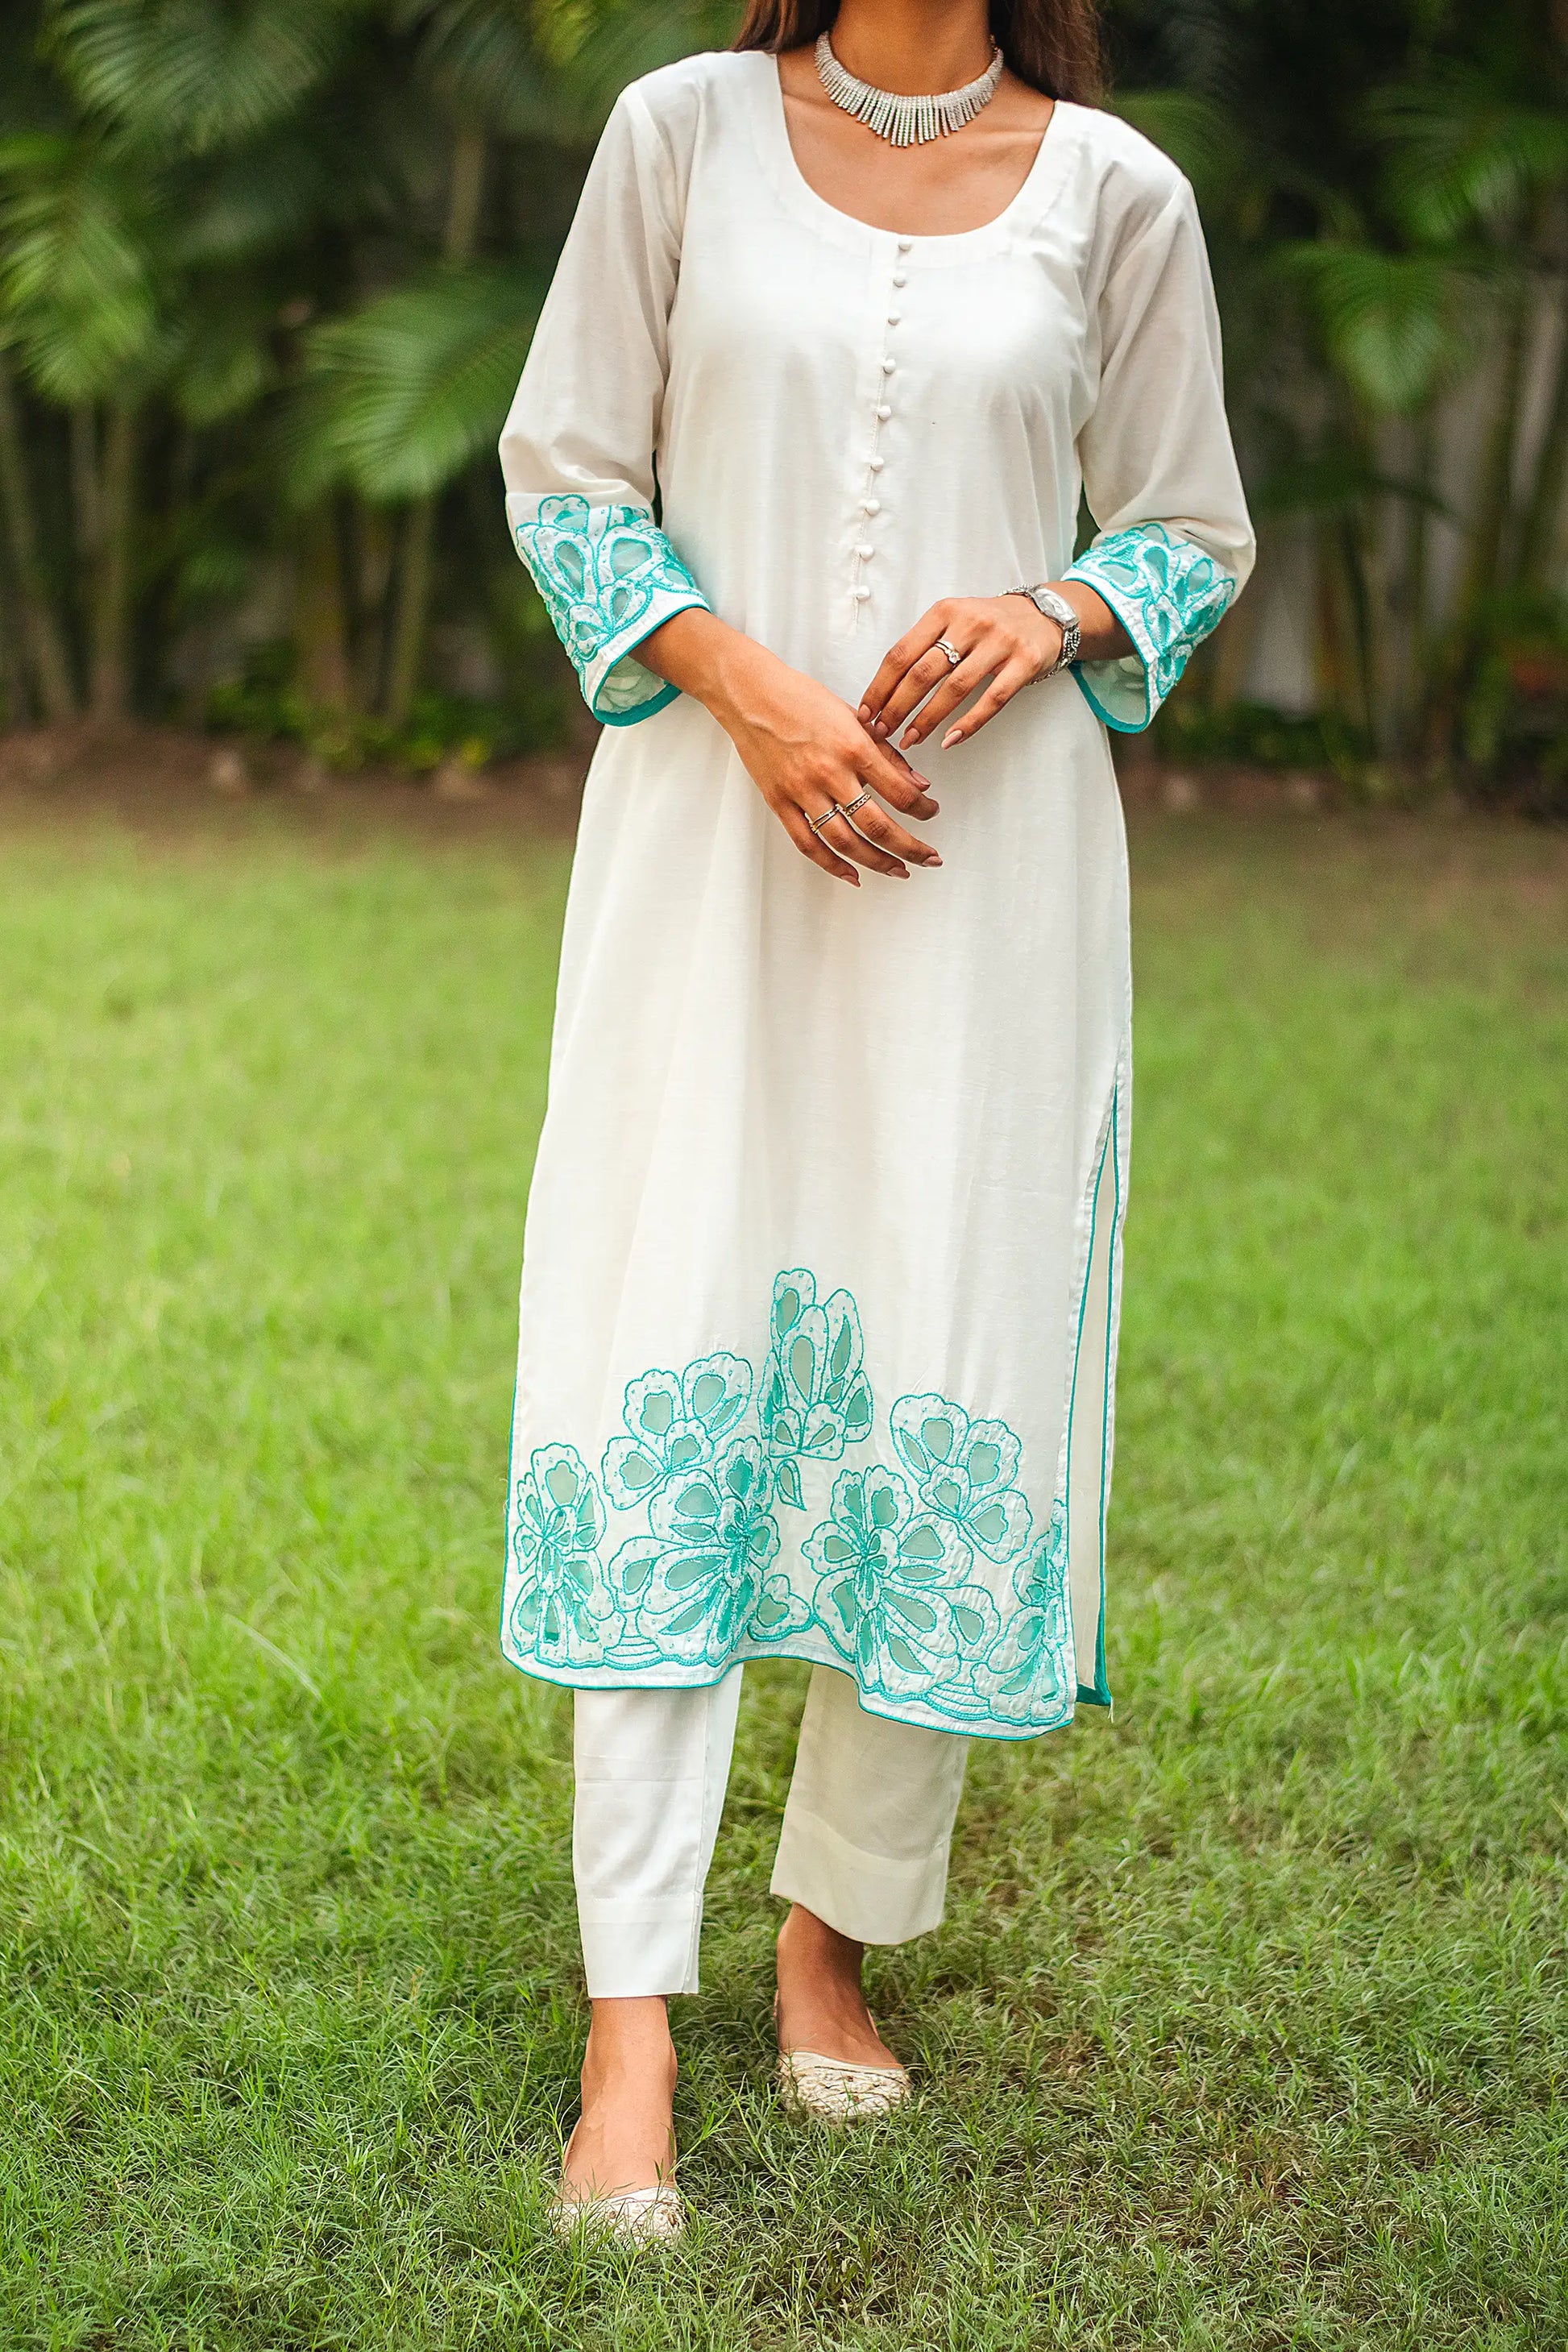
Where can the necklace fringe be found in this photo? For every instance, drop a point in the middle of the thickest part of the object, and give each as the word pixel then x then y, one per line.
pixel 901 120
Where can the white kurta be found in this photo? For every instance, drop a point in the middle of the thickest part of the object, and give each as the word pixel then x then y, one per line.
pixel 822 1270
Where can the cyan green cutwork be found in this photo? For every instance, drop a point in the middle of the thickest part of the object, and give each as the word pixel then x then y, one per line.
pixel 609 577
pixel 699 1584
pixel 964 1470
pixel 1030 1669
pixel 675 1421
pixel 893 1595
pixel 1167 591
pixel 563 1611
pixel 706 1457
pixel 816 1396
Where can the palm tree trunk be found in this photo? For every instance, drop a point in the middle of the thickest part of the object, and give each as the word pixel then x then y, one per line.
pixel 411 620
pixel 1543 505
pixel 46 647
pixel 110 590
pixel 1490 519
pixel 321 612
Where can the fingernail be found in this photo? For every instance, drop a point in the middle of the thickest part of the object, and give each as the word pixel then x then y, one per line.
pixel 909 739
pixel 933 861
pixel 951 738
pixel 879 728
pixel 864 710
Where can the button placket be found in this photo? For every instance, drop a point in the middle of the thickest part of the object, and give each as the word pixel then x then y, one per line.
pixel 872 505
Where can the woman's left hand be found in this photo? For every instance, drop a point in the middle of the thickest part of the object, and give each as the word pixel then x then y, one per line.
pixel 1006 639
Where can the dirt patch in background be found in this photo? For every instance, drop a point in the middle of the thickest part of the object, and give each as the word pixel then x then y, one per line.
pixel 163 781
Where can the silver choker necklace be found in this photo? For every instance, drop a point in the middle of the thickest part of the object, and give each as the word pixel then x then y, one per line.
pixel 906 122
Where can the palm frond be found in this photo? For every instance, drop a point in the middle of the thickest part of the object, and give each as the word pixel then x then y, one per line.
pixel 401 395
pixel 1462 152
pixel 186 71
pixel 1394 322
pixel 76 271
pixel 484 53
pixel 600 45
pixel 1201 138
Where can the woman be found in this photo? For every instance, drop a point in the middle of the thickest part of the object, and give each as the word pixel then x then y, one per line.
pixel 821 1281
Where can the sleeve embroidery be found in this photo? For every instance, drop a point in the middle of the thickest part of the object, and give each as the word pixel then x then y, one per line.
pixel 609 577
pixel 1168 593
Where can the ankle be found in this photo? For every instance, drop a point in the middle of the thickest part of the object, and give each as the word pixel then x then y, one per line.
pixel 630 2038
pixel 810 1945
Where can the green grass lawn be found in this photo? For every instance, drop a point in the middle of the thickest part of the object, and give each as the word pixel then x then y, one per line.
pixel 1249 2025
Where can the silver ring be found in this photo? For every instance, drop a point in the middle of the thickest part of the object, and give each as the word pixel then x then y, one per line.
pixel 954 655
pixel 816 823
pixel 849 808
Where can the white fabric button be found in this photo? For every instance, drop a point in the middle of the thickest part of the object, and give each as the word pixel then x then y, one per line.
pixel 864 553
pixel 899 278
pixel 862 594
pixel 878 464
pixel 889 365
pixel 871 506
pixel 904 244
pixel 893 317
pixel 884 412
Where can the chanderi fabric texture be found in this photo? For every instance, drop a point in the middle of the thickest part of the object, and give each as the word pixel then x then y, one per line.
pixel 822 1270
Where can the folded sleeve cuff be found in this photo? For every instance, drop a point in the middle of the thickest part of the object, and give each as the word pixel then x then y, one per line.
pixel 609 577
pixel 1168 593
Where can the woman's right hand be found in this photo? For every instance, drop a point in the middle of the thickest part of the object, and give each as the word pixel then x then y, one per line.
pixel 804 749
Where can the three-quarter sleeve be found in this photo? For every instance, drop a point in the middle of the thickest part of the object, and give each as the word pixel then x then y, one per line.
pixel 577 451
pixel 1174 543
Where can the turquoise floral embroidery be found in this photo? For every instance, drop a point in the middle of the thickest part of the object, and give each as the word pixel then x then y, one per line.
pixel 701 1583
pixel 1028 1667
pixel 816 1397
pixel 1167 591
pixel 609 577
pixel 891 1587
pixel 964 1470
pixel 675 1420
pixel 563 1611
pixel 892 1594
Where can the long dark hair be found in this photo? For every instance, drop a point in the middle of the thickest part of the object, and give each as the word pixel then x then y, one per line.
pixel 1054 45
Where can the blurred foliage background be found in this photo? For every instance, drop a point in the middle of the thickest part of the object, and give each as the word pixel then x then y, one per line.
pixel 269 268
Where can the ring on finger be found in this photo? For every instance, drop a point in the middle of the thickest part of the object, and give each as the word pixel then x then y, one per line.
pixel 945 645
pixel 829 814
pixel 849 808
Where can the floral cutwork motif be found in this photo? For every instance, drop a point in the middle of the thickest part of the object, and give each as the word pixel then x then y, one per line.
pixel 815 1398
pixel 1028 1664
pixel 703 1582
pixel 562 1612
pixel 608 576
pixel 964 1470
pixel 892 1592
pixel 674 1421
pixel 1167 591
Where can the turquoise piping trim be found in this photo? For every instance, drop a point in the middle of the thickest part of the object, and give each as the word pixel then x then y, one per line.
pixel 660 701
pixel 609 577
pixel 1098 1697
pixel 1168 593
pixel 1120 725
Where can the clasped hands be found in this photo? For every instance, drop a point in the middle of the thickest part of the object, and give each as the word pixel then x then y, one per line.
pixel 809 754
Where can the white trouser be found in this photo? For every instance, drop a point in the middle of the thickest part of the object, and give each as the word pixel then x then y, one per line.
pixel 864 1842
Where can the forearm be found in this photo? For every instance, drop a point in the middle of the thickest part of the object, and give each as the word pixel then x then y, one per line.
pixel 718 665
pixel 1102 636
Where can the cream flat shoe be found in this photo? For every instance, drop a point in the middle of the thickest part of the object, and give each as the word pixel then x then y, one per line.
pixel 633 2217
pixel 833 2092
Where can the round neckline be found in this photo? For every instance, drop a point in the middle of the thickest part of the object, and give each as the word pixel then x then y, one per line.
pixel 793 185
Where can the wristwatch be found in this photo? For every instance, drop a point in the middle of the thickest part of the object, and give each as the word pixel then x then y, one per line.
pixel 1055 608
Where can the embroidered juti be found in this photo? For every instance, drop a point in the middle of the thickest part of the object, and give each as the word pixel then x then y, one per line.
pixel 823 1260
